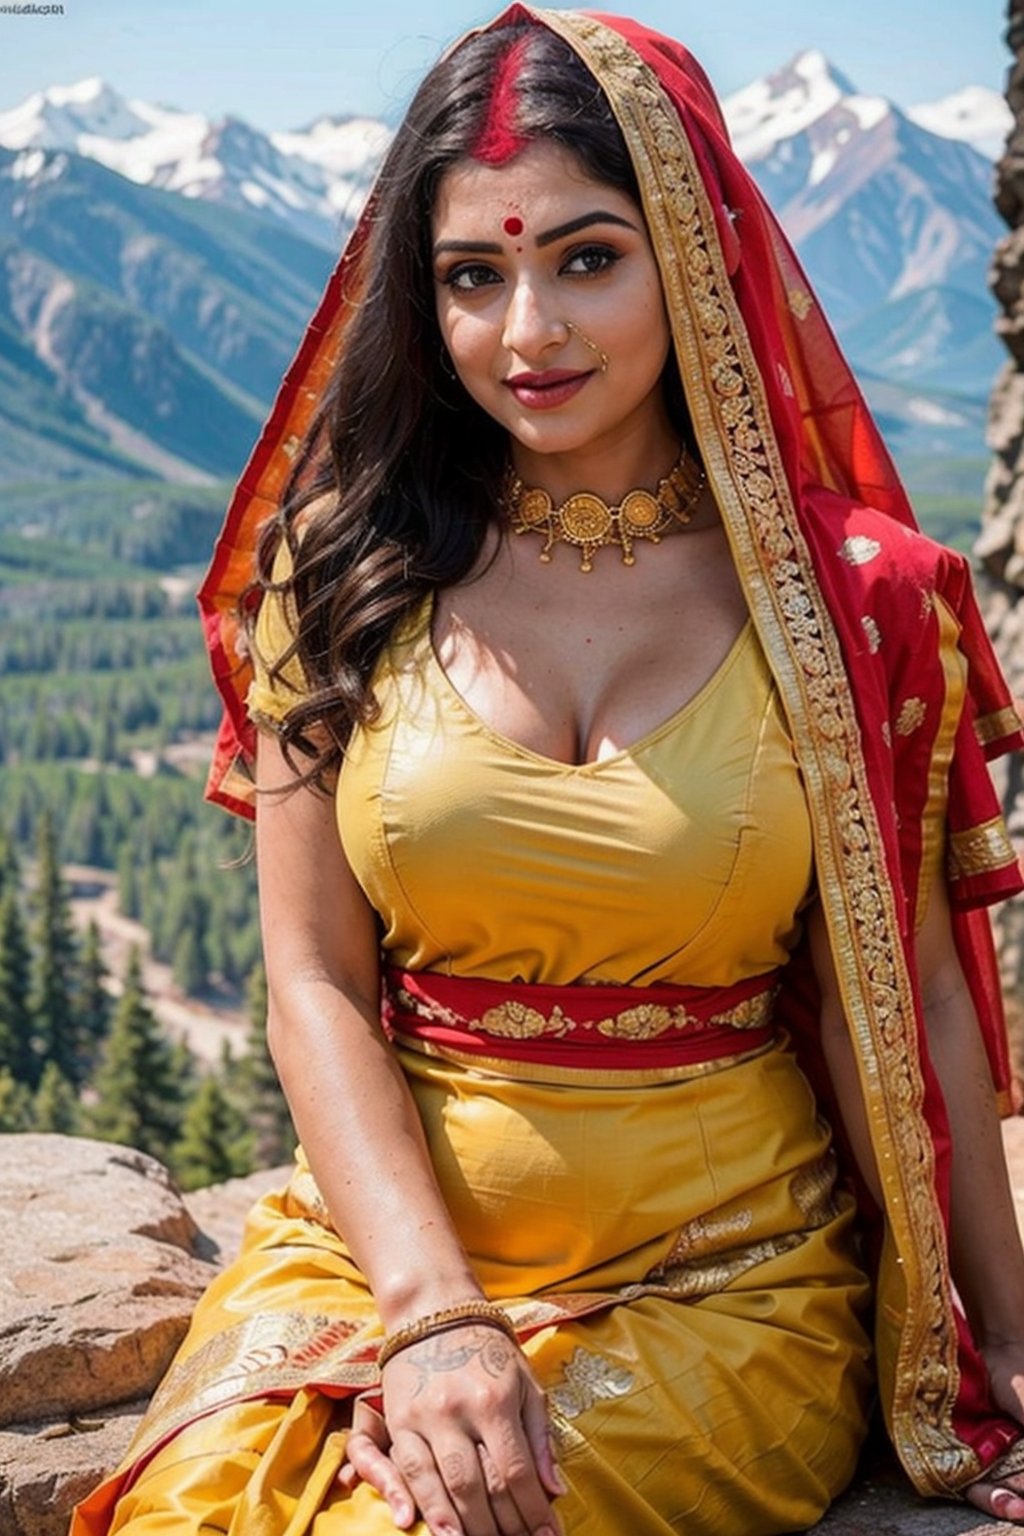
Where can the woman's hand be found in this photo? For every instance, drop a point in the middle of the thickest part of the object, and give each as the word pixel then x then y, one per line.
pixel 464 1439
pixel 1003 1498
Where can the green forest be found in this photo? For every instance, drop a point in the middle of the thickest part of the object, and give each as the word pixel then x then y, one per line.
pixel 106 717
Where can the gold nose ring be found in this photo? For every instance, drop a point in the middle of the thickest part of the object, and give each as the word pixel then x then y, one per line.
pixel 602 357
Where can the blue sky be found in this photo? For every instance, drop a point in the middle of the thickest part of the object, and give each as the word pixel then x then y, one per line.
pixel 280 63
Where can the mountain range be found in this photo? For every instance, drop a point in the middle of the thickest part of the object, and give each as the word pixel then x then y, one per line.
pixel 157 266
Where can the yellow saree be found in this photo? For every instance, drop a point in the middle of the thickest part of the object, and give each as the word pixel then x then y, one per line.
pixel 705 1372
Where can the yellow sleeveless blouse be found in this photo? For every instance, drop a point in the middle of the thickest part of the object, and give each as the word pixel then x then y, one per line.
pixel 683 858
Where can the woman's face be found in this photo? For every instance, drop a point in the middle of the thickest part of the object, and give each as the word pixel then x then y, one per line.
pixel 530 258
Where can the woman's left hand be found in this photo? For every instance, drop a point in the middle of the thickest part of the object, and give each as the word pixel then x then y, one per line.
pixel 367 1461
pixel 1005 1497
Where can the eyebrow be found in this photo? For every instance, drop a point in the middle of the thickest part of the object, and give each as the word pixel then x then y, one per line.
pixel 493 248
pixel 599 216
pixel 468 247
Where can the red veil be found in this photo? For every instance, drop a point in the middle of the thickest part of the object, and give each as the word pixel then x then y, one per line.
pixel 892 693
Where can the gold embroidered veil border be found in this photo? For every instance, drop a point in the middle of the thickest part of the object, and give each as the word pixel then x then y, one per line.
pixel 736 438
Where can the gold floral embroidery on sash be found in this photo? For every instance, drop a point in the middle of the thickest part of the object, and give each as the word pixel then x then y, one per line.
pixel 993 727
pixel 910 717
pixel 589 1378
pixel 980 849
pixel 800 302
pixel 514 1020
pixel 740 447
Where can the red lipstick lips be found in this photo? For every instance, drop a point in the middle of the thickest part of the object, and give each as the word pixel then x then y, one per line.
pixel 545 391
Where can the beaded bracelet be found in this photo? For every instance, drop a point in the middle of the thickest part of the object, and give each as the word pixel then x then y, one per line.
pixel 486 1312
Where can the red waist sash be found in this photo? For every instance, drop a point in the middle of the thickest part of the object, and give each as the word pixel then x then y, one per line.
pixel 580 1026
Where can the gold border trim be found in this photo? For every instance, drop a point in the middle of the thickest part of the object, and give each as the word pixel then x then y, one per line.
pixel 980 850
pixel 993 727
pixel 737 441
pixel 580 1077
pixel 933 817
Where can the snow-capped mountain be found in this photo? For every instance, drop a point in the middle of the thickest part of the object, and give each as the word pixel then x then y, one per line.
pixel 157 266
pixel 977 115
pixel 883 211
pixel 312 179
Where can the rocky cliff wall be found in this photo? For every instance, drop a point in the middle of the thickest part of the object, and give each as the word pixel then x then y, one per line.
pixel 1001 543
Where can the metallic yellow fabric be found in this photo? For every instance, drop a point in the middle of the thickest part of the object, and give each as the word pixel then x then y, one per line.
pixel 685 856
pixel 694 1301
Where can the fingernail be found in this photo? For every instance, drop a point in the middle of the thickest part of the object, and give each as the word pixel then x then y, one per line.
pixel 558 1480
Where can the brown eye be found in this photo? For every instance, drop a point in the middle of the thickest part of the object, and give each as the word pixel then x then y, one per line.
pixel 470 276
pixel 589 260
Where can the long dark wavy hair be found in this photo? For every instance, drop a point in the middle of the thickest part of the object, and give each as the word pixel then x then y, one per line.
pixel 405 465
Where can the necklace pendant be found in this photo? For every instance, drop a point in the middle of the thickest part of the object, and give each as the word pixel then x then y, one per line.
pixel 586 521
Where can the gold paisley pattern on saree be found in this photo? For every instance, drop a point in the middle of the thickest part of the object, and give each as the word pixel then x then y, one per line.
pixel 734 429
pixel 872 634
pixel 706 1276
pixel 910 717
pixel 708 1254
pixel 813 1189
pixel 859 550
pixel 589 1378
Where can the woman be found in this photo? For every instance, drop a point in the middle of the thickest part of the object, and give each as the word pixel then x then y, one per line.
pixel 634 825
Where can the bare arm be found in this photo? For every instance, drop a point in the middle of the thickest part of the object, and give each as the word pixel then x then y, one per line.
pixel 985 1246
pixel 985 1249
pixel 352 1107
pixel 464 1419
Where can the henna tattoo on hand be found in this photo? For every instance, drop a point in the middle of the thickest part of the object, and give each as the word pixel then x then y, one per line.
pixel 440 1355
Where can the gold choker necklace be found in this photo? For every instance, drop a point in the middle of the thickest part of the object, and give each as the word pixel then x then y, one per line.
pixel 590 523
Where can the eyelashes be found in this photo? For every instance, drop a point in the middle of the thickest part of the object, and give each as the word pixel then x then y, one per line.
pixel 470 276
pixel 589 260
pixel 584 261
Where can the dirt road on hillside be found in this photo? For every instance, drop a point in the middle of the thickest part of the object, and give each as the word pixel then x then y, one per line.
pixel 205 1026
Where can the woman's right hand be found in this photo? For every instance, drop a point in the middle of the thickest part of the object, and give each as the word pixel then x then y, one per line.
pixel 469 1436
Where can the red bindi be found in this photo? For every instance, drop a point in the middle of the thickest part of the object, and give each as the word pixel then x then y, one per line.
pixel 513 225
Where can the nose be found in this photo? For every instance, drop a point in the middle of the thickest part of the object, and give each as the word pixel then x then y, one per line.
pixel 532 323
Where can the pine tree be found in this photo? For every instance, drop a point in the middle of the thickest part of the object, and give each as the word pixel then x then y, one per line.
pixel 56 1103
pixel 129 901
pixel 15 1104
pixel 56 959
pixel 17 1054
pixel 191 964
pixel 10 873
pixel 92 1001
pixel 207 1152
pixel 138 1082
pixel 263 1104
